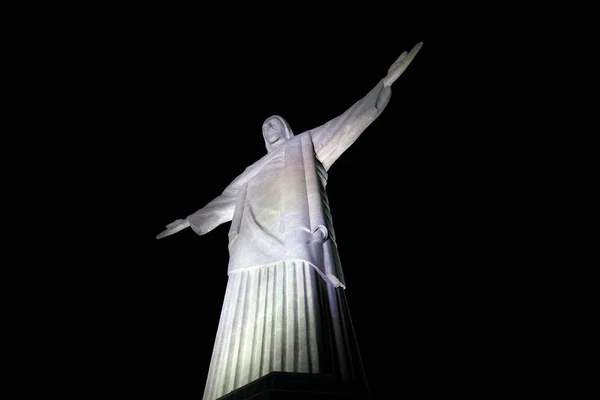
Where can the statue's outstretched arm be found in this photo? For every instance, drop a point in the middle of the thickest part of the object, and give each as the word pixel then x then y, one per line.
pixel 215 213
pixel 336 136
pixel 218 211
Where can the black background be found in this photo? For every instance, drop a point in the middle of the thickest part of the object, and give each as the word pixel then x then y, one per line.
pixel 156 108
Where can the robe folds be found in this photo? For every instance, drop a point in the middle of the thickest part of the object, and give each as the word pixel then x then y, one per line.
pixel 284 308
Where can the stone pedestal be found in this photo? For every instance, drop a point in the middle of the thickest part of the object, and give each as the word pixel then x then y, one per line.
pixel 296 386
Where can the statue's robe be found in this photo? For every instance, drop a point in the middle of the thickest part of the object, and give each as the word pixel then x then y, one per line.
pixel 284 309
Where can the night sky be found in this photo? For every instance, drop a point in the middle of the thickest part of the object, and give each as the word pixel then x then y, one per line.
pixel 388 193
pixel 166 103
pixel 391 193
pixel 383 208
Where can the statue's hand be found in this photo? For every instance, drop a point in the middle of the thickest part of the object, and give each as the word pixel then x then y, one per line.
pixel 174 227
pixel 400 65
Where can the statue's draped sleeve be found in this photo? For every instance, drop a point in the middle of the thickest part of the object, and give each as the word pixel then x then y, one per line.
pixel 336 136
pixel 220 209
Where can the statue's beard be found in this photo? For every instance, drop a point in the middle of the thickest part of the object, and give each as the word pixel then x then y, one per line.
pixel 274 141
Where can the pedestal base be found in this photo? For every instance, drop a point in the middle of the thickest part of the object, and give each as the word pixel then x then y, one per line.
pixel 299 386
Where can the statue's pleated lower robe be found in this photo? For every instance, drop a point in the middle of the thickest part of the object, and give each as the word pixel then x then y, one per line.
pixel 284 308
pixel 281 317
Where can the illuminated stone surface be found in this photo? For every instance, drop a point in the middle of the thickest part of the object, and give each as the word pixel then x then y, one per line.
pixel 284 307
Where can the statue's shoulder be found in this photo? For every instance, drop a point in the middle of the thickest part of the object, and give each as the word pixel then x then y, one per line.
pixel 304 135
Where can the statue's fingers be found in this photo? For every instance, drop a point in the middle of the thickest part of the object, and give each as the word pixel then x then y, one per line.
pixel 401 56
pixel 415 50
pixel 181 226
pixel 405 62
pixel 164 233
pixel 401 64
pixel 398 61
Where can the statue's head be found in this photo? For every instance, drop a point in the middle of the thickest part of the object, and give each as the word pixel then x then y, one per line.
pixel 275 132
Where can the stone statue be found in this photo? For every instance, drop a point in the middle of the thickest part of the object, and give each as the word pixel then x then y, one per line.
pixel 284 307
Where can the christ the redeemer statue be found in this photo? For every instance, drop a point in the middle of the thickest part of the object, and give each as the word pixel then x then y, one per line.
pixel 284 307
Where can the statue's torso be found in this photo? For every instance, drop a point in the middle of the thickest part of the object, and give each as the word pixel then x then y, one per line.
pixel 281 213
pixel 256 233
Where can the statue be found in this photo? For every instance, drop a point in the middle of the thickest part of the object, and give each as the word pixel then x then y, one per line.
pixel 284 307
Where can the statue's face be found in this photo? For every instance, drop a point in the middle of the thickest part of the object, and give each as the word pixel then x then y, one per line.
pixel 274 132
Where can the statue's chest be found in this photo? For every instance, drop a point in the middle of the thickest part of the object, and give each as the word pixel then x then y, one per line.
pixel 280 192
pixel 265 190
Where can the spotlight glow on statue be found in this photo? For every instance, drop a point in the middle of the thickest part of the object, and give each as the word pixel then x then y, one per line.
pixel 284 309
